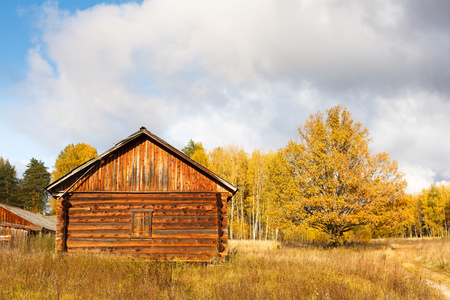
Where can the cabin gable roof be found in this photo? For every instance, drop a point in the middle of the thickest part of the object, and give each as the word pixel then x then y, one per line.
pixel 73 177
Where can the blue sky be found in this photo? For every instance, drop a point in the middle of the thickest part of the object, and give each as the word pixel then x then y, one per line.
pixel 19 31
pixel 18 22
pixel 225 72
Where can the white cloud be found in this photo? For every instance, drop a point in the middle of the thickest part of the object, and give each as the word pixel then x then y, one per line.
pixel 242 72
pixel 418 178
pixel 413 128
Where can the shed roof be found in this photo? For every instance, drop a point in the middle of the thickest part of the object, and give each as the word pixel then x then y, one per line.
pixel 81 170
pixel 48 223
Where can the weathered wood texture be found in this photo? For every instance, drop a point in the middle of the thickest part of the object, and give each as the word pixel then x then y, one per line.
pixel 185 226
pixel 8 219
pixel 142 165
pixel 12 237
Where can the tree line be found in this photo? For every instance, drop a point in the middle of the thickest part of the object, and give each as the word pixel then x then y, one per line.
pixel 429 213
pixel 325 185
pixel 27 193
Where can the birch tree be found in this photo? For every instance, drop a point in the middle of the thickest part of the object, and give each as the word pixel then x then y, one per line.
pixel 257 177
pixel 230 163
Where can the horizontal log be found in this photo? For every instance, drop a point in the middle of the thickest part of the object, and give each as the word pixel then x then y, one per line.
pixel 107 196
pixel 171 206
pixel 126 212
pixel 159 240
pixel 168 251
pixel 99 233
pixel 155 220
pixel 19 226
pixel 82 243
pixel 156 256
pixel 200 234
pixel 185 232
pixel 99 226
pixel 78 196
pixel 127 226
pixel 100 219
pixel 140 202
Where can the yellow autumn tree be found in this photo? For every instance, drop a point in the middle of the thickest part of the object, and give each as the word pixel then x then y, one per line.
pixel 330 180
pixel 71 157
pixel 68 159
pixel 200 156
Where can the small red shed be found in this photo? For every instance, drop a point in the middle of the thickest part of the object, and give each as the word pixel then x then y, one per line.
pixel 143 197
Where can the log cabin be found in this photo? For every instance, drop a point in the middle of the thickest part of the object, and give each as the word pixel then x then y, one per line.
pixel 143 197
pixel 17 224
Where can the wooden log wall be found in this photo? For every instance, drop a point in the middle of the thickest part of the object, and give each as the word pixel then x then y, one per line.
pixel 184 225
pixel 142 165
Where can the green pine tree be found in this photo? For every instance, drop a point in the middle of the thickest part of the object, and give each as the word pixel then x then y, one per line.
pixel 9 184
pixel 191 147
pixel 33 195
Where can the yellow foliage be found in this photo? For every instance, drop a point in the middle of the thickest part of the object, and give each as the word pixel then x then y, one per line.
pixel 71 157
pixel 200 156
pixel 330 180
pixel 430 210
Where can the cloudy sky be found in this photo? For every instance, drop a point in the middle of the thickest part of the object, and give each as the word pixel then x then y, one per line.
pixel 244 72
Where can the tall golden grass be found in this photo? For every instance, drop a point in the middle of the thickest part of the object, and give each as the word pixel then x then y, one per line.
pixel 435 252
pixel 255 270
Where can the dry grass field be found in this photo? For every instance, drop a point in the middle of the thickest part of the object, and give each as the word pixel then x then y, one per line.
pixel 428 257
pixel 256 270
pixel 435 253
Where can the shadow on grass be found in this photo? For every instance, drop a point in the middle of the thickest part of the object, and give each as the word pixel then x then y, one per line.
pixel 357 246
